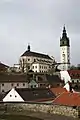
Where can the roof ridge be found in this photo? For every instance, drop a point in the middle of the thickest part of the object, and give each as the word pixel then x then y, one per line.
pixel 59 96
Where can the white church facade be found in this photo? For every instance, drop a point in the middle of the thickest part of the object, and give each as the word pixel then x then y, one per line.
pixel 34 61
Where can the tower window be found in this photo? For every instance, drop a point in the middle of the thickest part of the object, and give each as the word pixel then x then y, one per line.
pixel 63 42
pixel 34 60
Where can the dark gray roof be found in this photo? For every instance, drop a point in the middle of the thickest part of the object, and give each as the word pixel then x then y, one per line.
pixel 3 65
pixel 2 95
pixel 35 94
pixel 35 54
pixel 52 79
pixel 13 77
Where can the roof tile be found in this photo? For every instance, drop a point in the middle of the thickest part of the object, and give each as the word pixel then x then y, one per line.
pixel 68 98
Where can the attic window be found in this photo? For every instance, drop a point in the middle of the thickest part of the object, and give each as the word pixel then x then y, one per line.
pixel 3 84
pixel 2 90
pixel 10 95
pixel 15 96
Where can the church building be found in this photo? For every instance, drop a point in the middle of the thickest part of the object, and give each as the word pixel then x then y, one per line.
pixel 34 61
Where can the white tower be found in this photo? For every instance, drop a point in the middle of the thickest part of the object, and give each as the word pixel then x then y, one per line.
pixel 64 51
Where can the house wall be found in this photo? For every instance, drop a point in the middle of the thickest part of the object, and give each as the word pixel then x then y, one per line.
pixel 30 60
pixel 7 86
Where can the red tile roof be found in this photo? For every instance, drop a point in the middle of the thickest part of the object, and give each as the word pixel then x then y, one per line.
pixel 74 73
pixel 67 98
pixel 58 90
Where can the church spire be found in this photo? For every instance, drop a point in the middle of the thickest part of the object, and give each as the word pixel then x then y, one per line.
pixel 64 34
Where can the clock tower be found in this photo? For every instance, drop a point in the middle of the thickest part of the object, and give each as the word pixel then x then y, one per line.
pixel 64 51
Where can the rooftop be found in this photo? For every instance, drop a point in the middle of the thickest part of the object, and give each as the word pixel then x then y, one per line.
pixel 58 90
pixel 68 98
pixel 35 94
pixel 35 54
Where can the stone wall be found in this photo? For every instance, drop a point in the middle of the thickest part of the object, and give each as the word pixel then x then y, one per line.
pixel 52 109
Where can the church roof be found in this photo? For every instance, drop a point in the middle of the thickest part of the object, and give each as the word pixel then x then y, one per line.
pixel 35 54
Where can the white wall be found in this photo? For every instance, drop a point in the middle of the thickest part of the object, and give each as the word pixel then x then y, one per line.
pixel 65 76
pixel 65 57
pixel 36 67
pixel 8 86
pixel 13 96
pixel 30 60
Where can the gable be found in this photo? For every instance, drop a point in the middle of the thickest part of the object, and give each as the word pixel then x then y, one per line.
pixel 13 96
pixel 33 83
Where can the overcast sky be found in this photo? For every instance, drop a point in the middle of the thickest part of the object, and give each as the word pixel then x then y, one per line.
pixel 40 23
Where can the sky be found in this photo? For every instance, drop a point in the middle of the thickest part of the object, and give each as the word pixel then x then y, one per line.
pixel 40 24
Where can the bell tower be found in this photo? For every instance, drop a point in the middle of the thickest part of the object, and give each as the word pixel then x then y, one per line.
pixel 64 51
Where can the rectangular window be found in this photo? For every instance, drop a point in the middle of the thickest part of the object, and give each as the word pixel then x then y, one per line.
pixel 34 60
pixel 31 86
pixel 23 84
pixel 35 66
pixel 28 59
pixel 17 84
pixel 40 84
pixel 35 86
pixel 12 84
